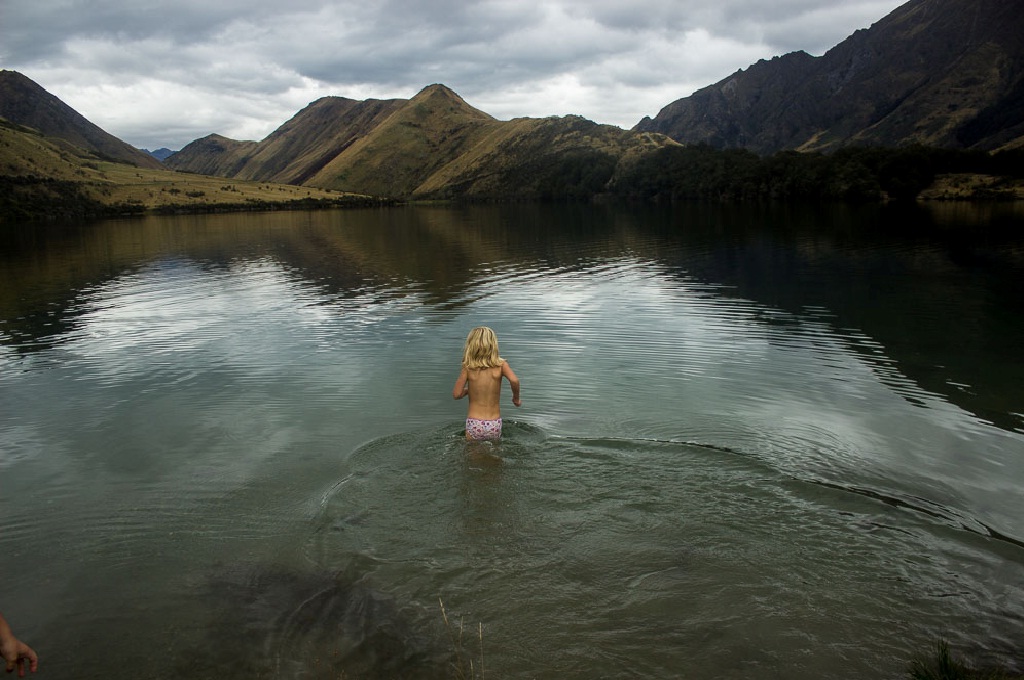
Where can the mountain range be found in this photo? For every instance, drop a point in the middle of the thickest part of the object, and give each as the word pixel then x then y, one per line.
pixel 944 73
pixel 434 145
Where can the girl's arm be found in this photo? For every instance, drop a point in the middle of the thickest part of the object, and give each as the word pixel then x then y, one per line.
pixel 507 371
pixel 461 388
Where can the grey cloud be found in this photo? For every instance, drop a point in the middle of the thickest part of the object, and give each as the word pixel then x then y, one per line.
pixel 784 25
pixel 233 51
pixel 34 29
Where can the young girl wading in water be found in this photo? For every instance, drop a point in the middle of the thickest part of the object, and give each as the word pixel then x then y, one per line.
pixel 480 379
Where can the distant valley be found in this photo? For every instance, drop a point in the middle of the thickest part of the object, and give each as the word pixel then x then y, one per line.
pixel 161 154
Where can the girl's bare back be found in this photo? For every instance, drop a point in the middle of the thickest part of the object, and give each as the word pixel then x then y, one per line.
pixel 484 393
pixel 483 387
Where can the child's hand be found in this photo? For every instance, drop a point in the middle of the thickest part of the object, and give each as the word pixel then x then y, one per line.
pixel 518 402
pixel 16 653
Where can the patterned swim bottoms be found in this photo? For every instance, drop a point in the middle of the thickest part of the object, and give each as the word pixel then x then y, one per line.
pixel 483 429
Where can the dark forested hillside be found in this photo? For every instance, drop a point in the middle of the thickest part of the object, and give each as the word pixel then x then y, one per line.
pixel 945 73
pixel 850 174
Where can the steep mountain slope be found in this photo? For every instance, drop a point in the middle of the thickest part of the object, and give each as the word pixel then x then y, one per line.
pixel 295 151
pixel 945 73
pixel 24 102
pixel 418 138
pixel 542 158
pixel 26 152
pixel 43 176
pixel 433 145
pixel 315 136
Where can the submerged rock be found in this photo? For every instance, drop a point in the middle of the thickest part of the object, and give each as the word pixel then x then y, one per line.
pixel 277 623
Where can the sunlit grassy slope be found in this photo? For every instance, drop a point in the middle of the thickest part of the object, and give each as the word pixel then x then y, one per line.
pixel 37 171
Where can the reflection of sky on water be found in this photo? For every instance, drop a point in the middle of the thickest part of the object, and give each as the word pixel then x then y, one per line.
pixel 291 399
pixel 614 342
pixel 633 347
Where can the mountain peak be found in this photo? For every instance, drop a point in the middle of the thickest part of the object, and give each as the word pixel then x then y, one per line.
pixel 440 93
pixel 442 100
pixel 437 89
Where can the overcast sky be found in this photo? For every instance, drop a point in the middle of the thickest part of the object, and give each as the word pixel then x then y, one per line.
pixel 164 73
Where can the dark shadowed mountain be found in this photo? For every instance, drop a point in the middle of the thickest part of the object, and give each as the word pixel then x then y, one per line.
pixel 24 102
pixel 213 155
pixel 434 145
pixel 947 73
pixel 160 154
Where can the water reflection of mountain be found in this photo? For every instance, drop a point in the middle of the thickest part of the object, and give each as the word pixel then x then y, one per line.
pixel 937 290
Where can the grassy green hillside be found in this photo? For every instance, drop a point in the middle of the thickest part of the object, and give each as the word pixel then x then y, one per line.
pixel 25 102
pixel 300 148
pixel 214 155
pixel 47 177
pixel 568 157
pixel 295 151
pixel 417 140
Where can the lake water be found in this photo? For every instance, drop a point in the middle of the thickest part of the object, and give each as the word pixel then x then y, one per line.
pixel 759 442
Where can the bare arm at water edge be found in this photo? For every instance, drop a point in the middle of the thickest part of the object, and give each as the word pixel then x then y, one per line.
pixel 507 371
pixel 15 652
pixel 461 388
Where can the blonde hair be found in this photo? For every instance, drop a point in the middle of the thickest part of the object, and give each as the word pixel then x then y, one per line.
pixel 481 349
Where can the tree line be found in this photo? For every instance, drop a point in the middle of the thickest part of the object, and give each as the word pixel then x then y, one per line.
pixel 850 174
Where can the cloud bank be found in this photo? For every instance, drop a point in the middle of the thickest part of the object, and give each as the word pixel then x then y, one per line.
pixel 162 74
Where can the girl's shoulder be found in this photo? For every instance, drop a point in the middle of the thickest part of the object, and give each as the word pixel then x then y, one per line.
pixel 487 369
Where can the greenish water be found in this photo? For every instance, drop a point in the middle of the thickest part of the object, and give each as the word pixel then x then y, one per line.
pixel 755 442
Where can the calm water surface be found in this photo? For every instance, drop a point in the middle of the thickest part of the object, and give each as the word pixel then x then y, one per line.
pixel 754 443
